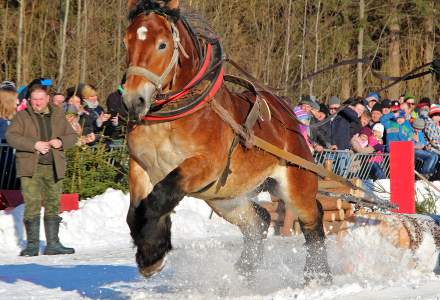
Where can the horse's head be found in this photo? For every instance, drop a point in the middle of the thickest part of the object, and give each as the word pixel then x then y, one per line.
pixel 152 42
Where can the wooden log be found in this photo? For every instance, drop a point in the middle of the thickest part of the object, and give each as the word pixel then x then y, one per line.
pixel 355 192
pixel 349 213
pixel 332 185
pixel 346 205
pixel 335 227
pixel 334 215
pixel 328 165
pixel 329 203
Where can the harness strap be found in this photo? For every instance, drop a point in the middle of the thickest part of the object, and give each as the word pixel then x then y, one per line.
pixel 293 158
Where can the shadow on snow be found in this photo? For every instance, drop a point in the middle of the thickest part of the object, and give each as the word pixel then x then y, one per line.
pixel 88 280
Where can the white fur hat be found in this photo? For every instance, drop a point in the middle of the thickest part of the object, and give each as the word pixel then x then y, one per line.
pixel 379 127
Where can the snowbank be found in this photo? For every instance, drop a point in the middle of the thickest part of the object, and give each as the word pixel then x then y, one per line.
pixel 201 266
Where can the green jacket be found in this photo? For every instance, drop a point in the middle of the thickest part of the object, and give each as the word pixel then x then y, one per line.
pixel 24 132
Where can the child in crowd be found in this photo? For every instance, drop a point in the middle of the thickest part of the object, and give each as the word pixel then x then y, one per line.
pixel 375 141
pixel 421 148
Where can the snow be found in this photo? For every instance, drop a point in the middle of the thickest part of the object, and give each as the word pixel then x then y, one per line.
pixel 201 266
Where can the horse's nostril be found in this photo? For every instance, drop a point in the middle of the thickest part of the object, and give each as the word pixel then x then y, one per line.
pixel 142 100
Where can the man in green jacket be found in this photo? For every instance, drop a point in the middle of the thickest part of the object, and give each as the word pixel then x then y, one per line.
pixel 40 134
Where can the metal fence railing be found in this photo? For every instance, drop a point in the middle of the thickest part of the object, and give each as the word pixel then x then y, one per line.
pixel 355 165
pixel 8 180
pixel 344 163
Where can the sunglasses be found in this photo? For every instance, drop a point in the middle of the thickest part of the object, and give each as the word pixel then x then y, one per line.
pixel 333 108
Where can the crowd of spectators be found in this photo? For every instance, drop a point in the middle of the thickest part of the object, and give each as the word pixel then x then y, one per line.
pixel 92 122
pixel 360 125
pixel 369 125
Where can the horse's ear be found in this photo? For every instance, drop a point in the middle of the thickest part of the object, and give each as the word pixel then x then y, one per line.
pixel 132 3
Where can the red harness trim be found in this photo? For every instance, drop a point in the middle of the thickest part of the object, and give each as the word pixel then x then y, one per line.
pixel 208 97
pixel 187 87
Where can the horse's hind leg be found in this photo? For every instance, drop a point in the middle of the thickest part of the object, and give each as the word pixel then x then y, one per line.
pixel 253 221
pixel 297 188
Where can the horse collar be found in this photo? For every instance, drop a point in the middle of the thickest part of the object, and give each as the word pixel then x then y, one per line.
pixel 201 89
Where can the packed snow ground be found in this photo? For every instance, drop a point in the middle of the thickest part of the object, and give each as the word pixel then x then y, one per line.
pixel 201 264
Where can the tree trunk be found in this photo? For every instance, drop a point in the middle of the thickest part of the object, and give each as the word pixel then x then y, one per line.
pixel 286 57
pixel 394 53
pixel 345 71
pixel 83 76
pixel 20 35
pixel 360 49
pixel 303 49
pixel 118 44
pixel 78 42
pixel 5 31
pixel 429 50
pixel 63 45
pixel 316 45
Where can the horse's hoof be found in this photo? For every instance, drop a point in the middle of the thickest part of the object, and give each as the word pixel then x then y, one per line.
pixel 321 279
pixel 152 270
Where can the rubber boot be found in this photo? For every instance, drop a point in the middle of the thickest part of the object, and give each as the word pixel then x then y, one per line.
pixel 32 227
pixel 54 247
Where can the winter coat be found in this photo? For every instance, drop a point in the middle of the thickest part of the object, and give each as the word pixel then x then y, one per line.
pixel 3 126
pixel 320 135
pixel 396 132
pixel 88 120
pixel 115 106
pixel 24 132
pixel 343 127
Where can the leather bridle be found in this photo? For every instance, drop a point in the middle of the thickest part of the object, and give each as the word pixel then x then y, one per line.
pixel 158 80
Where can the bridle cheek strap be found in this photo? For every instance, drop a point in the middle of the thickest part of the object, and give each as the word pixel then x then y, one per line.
pixel 152 77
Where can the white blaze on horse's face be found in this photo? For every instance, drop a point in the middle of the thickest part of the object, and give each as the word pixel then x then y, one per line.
pixel 142 33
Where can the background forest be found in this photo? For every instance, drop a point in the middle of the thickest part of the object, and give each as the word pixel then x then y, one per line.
pixel 279 41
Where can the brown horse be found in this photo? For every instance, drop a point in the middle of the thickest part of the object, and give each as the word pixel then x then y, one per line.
pixel 187 155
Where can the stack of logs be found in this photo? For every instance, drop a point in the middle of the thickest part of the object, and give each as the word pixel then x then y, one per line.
pixel 337 212
pixel 336 215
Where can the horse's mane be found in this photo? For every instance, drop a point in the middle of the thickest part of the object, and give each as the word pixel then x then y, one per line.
pixel 199 25
pixel 159 6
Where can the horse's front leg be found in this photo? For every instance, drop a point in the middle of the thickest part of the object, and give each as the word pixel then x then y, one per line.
pixel 149 217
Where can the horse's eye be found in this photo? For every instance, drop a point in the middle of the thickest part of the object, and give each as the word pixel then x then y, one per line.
pixel 162 46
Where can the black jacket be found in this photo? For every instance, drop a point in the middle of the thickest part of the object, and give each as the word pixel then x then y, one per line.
pixel 320 135
pixel 116 106
pixel 343 127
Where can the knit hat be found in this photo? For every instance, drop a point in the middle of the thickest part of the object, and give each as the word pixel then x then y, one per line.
pixel 334 100
pixel 377 107
pixel 419 124
pixel 401 114
pixel 424 102
pixel 408 96
pixel 372 97
pixel 366 130
pixel 379 127
pixel 386 103
pixel 8 86
pixel 395 105
pixel 434 110
pixel 309 100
